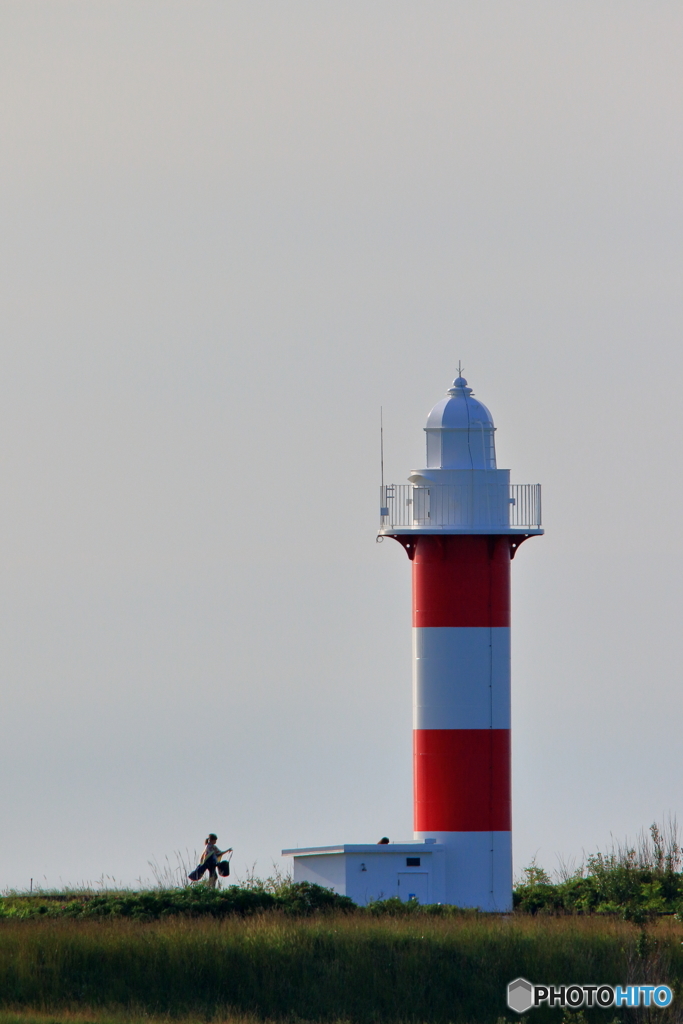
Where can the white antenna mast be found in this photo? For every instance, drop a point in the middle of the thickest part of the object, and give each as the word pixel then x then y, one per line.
pixel 381 444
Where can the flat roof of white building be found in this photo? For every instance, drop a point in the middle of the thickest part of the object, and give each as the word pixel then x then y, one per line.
pixel 408 847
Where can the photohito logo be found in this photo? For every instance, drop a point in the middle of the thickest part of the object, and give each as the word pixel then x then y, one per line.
pixel 523 996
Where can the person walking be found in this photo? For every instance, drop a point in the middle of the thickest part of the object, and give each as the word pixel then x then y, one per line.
pixel 209 860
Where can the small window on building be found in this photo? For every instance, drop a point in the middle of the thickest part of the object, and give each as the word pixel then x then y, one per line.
pixel 412 862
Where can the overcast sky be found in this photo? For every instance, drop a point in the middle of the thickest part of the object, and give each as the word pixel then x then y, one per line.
pixel 230 232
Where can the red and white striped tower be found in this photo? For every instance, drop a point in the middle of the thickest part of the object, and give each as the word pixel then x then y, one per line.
pixel 461 521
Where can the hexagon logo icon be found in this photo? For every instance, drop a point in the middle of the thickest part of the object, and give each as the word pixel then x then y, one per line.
pixel 520 995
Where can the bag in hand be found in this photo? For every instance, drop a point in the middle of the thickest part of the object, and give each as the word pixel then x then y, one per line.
pixel 223 867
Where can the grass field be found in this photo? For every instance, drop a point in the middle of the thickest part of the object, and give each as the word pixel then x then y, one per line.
pixel 273 951
pixel 323 968
pixel 95 1016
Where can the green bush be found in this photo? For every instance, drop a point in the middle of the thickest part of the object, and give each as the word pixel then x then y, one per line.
pixel 635 894
pixel 299 898
pixel 305 898
pixel 637 883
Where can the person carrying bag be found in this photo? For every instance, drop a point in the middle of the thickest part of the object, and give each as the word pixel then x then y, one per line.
pixel 210 861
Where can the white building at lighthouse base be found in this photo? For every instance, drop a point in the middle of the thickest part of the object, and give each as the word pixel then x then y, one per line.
pixel 367 872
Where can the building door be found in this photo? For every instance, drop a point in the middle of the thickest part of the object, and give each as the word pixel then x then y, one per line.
pixel 413 885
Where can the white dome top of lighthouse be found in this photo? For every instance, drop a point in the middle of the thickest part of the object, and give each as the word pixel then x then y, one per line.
pixel 458 409
pixel 460 431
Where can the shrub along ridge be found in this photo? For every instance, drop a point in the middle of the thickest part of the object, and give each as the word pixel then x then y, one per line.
pixel 299 898
pixel 635 882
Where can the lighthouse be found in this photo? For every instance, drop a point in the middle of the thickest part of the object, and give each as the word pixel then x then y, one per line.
pixel 460 521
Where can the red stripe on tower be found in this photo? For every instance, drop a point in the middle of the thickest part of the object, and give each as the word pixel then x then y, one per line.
pixel 461 580
pixel 462 780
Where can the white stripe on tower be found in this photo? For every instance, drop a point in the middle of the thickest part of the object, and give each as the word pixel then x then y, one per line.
pixel 461 677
